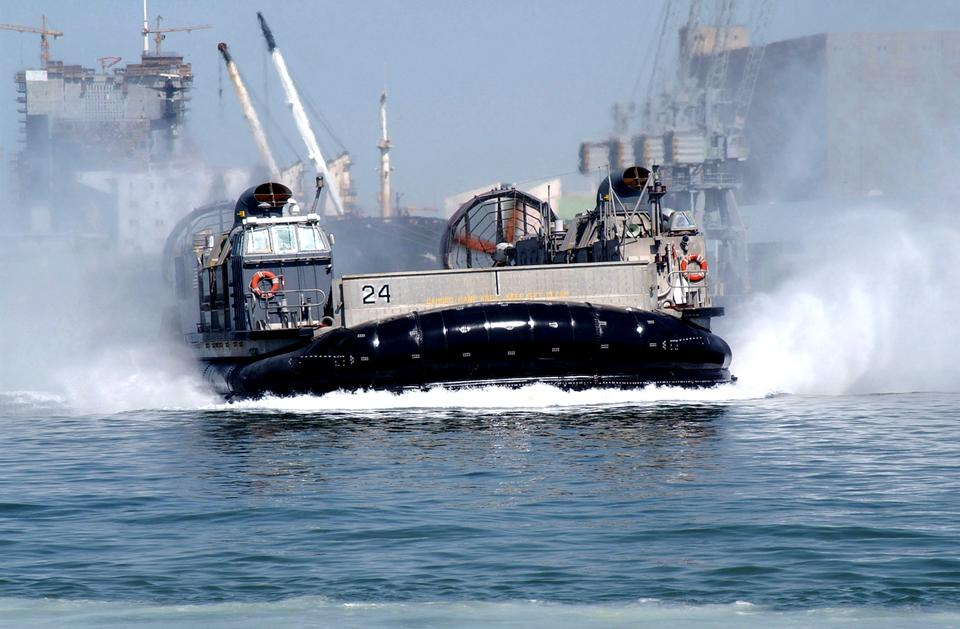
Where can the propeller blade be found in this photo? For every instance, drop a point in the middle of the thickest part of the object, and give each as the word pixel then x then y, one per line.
pixel 511 231
pixel 475 244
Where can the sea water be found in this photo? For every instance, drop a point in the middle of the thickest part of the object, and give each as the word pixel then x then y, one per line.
pixel 490 507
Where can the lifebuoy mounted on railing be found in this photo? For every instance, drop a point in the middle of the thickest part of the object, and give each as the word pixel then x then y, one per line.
pixel 264 276
pixel 694 275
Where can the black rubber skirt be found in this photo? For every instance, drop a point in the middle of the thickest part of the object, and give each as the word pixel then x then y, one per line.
pixel 570 345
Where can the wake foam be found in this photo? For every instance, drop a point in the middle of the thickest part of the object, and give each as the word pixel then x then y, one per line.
pixel 531 397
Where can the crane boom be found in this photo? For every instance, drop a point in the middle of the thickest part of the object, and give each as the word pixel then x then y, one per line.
pixel 688 47
pixel 717 72
pixel 43 31
pixel 249 112
pixel 159 33
pixel 386 210
pixel 751 71
pixel 300 117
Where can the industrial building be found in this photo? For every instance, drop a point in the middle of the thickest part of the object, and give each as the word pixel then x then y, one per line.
pixel 833 115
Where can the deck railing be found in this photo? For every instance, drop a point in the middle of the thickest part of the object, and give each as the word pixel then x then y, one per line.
pixel 300 308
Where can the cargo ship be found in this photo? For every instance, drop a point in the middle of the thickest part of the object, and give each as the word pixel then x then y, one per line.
pixel 616 298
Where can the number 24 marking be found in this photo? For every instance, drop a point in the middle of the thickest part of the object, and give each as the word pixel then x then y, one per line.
pixel 371 294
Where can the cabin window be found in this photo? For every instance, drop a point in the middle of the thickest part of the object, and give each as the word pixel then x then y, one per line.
pixel 283 239
pixel 309 238
pixel 258 241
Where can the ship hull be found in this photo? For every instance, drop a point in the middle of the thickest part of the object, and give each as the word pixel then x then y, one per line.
pixel 570 345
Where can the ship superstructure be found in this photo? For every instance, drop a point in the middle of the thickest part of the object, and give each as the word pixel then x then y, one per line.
pixel 692 125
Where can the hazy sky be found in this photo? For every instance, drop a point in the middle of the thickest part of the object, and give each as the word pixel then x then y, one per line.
pixel 496 90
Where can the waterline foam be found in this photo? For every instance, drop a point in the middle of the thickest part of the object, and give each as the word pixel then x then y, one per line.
pixel 530 397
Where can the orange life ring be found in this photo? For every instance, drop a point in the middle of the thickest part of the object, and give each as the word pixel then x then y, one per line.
pixel 694 276
pixel 260 276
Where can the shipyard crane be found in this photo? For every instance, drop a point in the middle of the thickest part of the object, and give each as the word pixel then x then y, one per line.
pixel 720 50
pixel 689 45
pixel 385 170
pixel 715 95
pixel 705 108
pixel 657 81
pixel 694 126
pixel 300 117
pixel 249 113
pixel 751 70
pixel 159 34
pixel 43 32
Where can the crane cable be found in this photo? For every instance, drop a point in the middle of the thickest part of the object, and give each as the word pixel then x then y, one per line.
pixel 665 19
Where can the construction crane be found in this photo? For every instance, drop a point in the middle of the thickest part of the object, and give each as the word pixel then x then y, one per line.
pixel 159 34
pixel 43 31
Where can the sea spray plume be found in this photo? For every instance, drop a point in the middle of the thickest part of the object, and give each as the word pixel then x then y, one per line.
pixel 863 311
pixel 106 348
pixel 865 306
pixel 127 377
pixel 88 326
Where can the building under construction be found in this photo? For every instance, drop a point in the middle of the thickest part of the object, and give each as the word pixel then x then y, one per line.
pixel 71 115
pixel 94 141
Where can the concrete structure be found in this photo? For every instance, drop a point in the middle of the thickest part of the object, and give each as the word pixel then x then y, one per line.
pixel 133 112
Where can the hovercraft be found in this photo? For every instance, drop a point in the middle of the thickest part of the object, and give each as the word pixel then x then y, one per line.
pixel 617 298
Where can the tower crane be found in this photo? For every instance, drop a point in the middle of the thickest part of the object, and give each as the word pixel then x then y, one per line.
pixel 159 34
pixel 43 31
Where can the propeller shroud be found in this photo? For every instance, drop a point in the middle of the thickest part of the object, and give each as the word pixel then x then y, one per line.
pixel 501 217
